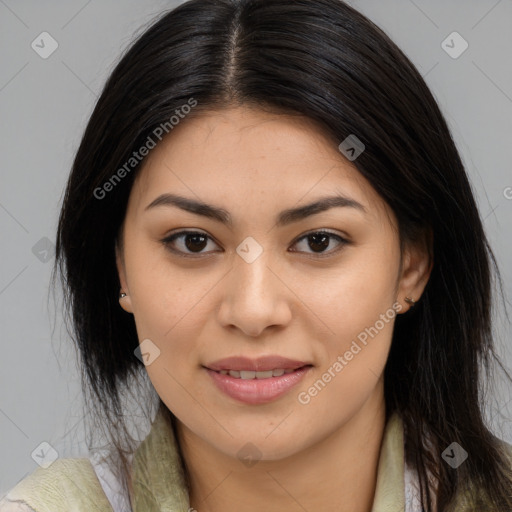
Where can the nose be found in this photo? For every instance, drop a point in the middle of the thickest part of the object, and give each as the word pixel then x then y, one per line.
pixel 255 297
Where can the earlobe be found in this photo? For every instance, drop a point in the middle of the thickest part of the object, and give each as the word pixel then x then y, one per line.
pixel 125 301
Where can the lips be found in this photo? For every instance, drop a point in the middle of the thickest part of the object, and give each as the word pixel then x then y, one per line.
pixel 257 381
pixel 257 391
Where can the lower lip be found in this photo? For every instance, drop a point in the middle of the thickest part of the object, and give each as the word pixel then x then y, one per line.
pixel 257 391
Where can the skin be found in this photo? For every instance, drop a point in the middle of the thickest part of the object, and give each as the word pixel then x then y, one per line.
pixel 322 455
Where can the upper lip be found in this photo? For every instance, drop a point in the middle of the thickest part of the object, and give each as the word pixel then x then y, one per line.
pixel 259 364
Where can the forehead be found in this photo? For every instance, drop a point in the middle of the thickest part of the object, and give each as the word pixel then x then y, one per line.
pixel 240 156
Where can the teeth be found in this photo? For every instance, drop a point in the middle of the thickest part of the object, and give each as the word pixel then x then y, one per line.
pixel 264 375
pixel 248 375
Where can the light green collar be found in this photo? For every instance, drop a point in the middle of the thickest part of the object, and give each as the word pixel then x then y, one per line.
pixel 159 481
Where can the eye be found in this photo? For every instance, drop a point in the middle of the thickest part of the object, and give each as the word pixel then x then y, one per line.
pixel 194 242
pixel 320 240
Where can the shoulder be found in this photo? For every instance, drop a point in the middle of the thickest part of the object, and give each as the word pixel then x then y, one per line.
pixel 66 484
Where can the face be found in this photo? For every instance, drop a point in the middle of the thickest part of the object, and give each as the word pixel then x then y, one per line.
pixel 312 291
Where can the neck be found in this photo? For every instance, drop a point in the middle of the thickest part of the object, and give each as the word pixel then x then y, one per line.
pixel 336 474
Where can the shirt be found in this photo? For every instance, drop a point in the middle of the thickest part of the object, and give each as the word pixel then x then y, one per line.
pixel 87 484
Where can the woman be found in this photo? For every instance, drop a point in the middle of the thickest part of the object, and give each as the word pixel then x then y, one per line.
pixel 268 211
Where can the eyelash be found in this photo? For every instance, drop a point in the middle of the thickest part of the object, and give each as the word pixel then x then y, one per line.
pixel 168 241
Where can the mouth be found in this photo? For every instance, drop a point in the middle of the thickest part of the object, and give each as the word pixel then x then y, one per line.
pixel 254 387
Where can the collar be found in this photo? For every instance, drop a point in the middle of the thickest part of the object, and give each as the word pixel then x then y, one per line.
pixel 159 478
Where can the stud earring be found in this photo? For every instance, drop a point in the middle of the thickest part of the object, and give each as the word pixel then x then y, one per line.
pixel 122 295
pixel 410 301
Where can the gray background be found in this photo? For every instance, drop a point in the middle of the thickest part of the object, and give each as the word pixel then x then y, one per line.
pixel 44 106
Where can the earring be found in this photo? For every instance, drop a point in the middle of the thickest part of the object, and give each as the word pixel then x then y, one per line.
pixel 410 301
pixel 122 295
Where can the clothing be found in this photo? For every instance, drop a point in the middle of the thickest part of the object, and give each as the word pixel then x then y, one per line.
pixel 83 484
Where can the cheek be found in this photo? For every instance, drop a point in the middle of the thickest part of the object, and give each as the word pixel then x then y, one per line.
pixel 353 295
pixel 161 292
pixel 361 340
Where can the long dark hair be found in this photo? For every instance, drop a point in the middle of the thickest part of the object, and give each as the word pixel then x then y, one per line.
pixel 324 60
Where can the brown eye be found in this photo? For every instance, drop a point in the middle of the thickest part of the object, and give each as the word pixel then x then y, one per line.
pixel 189 242
pixel 319 241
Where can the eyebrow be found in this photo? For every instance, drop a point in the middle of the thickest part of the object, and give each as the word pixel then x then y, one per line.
pixel 284 218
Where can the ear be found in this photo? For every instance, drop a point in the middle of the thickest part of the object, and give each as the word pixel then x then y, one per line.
pixel 417 266
pixel 125 302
